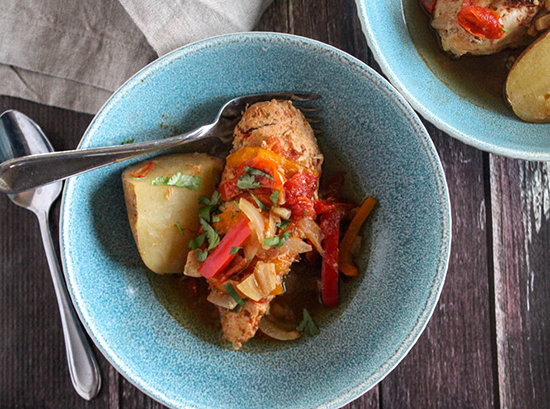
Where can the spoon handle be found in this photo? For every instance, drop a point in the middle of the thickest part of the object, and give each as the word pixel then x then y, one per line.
pixel 83 367
pixel 32 171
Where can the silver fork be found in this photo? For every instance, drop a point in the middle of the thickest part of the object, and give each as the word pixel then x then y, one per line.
pixel 29 172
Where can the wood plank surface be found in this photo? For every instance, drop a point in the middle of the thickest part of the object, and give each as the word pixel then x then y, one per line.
pixel 521 242
pixel 451 365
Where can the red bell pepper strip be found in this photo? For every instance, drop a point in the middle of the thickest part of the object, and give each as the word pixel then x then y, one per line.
pixel 480 21
pixel 220 258
pixel 429 6
pixel 143 171
pixel 330 225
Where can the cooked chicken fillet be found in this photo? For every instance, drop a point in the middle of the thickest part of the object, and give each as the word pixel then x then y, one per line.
pixel 516 16
pixel 283 129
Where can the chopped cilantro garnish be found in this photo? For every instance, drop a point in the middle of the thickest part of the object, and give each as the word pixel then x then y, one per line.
pixel 271 241
pixel 257 172
pixel 304 214
pixel 233 215
pixel 235 249
pixel 267 115
pixel 274 198
pixel 201 255
pixel 236 204
pixel 203 200
pixel 231 291
pixel 504 29
pixel 197 241
pixel 178 225
pixel 284 238
pixel 210 205
pixel 211 234
pixel 179 180
pixel 247 181
pixel 284 223
pixel 307 325
pixel 215 176
pixel 215 218
pixel 128 142
pixel 260 204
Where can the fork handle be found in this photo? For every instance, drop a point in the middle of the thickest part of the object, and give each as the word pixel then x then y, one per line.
pixel 32 171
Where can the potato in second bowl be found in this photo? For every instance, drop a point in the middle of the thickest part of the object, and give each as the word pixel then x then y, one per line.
pixel 162 201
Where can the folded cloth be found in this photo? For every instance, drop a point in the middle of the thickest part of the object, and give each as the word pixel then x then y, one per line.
pixel 73 54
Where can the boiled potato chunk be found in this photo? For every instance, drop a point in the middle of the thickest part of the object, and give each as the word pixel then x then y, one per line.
pixel 528 83
pixel 155 211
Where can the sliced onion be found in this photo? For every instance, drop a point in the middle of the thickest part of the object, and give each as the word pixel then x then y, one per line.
pixel 191 268
pixel 255 217
pixel 251 248
pixel 313 233
pixel 294 246
pixel 261 282
pixel 274 331
pixel 221 299
pixel 266 277
pixel 273 220
pixel 250 288
pixel 281 212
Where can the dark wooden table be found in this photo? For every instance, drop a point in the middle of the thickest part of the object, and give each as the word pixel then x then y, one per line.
pixel 487 344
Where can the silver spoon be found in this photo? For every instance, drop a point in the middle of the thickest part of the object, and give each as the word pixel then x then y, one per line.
pixel 20 136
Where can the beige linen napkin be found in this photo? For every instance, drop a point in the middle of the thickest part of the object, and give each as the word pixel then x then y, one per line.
pixel 74 53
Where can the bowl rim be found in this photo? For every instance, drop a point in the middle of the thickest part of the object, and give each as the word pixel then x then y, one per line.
pixel 439 277
pixel 437 120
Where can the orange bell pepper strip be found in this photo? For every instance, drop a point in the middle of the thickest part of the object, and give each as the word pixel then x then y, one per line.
pixel 143 171
pixel 249 152
pixel 345 263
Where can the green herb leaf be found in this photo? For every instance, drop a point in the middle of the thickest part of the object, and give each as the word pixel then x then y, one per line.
pixel 304 214
pixel 307 325
pixel 260 204
pixel 211 234
pixel 271 241
pixel 504 29
pixel 284 223
pixel 215 218
pixel 247 181
pixel 274 198
pixel 203 200
pixel 284 238
pixel 233 215
pixel 257 172
pixel 236 204
pixel 178 225
pixel 204 212
pixel 215 176
pixel 179 180
pixel 235 249
pixel 201 255
pixel 267 115
pixel 197 241
pixel 128 142
pixel 231 291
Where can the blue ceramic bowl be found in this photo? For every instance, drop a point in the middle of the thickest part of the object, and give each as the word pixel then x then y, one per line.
pixel 450 94
pixel 370 131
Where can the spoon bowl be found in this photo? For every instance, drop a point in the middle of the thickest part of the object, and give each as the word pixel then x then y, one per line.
pixel 20 136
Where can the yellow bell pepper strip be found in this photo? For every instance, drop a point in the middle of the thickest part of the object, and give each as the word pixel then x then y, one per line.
pixel 345 263
pixel 220 258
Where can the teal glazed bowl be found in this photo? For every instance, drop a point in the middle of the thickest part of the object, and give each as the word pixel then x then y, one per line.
pixel 369 131
pixel 463 98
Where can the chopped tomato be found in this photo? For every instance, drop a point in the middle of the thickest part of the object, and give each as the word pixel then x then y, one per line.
pixel 229 189
pixel 299 195
pixel 220 258
pixel 480 21
pixel 428 5
pixel 329 206
pixel 143 171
